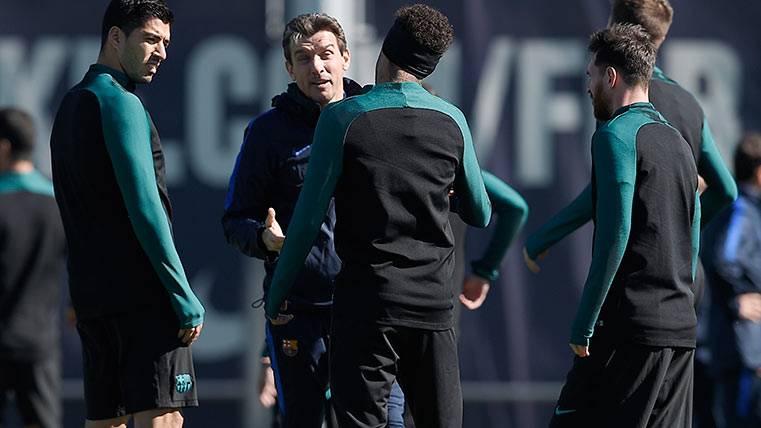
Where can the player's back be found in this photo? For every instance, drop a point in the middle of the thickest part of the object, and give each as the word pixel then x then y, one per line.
pixel 402 152
pixel 31 266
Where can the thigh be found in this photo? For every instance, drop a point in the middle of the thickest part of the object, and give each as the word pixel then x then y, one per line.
pixel 673 407
pixel 298 353
pixel 396 407
pixel 100 369
pixel 578 402
pixel 156 370
pixel 38 392
pixel 362 370
pixel 429 375
pixel 632 383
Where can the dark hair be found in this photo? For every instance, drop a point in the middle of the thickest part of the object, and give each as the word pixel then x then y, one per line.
pixel 131 14
pixel 747 156
pixel 17 126
pixel 628 49
pixel 653 15
pixel 307 25
pixel 427 25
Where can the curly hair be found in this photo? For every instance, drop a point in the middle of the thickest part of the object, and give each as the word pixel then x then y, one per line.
pixel 654 16
pixel 131 14
pixel 427 25
pixel 628 49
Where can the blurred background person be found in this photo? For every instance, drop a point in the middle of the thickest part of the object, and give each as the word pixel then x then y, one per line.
pixel 732 257
pixel 32 248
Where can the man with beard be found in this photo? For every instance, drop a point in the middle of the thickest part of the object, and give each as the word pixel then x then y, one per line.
pixel 264 186
pixel 634 332
pixel 390 157
pixel 136 312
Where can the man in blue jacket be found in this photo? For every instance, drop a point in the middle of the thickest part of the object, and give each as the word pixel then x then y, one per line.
pixel 264 187
pixel 732 258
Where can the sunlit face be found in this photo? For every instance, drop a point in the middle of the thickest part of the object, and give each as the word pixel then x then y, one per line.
pixel 317 66
pixel 596 88
pixel 141 53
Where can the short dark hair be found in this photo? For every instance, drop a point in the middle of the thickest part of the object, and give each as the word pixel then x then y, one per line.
pixel 628 49
pixel 17 126
pixel 131 14
pixel 307 25
pixel 654 16
pixel 747 156
pixel 427 25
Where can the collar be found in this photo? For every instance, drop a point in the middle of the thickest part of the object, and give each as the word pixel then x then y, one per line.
pixel 120 77
pixel 633 106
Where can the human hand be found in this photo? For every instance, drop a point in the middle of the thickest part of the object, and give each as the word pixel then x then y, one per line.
pixel 702 185
pixel 749 306
pixel 267 390
pixel 474 291
pixel 532 264
pixel 190 335
pixel 272 236
pixel 581 351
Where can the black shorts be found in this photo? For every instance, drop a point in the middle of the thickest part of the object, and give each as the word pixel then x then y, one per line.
pixel 36 386
pixel 366 358
pixel 135 362
pixel 627 385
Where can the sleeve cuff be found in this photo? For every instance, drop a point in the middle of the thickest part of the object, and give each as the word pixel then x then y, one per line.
pixel 484 272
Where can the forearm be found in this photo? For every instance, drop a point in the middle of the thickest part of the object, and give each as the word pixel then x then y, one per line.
pixel 562 224
pixel 245 235
pixel 511 211
pixel 721 188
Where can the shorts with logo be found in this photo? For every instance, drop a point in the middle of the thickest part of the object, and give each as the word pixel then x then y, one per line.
pixel 135 362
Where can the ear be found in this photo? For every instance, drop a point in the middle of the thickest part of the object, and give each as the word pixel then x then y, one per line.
pixel 347 59
pixel 611 75
pixel 115 37
pixel 289 69
pixel 758 176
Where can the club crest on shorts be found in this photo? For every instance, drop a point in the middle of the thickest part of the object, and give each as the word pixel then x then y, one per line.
pixel 290 347
pixel 183 383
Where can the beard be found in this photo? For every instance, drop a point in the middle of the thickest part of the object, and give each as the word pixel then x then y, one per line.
pixel 600 105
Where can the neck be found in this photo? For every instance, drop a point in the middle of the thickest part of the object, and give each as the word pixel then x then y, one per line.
pixel 20 167
pixel 110 60
pixel 631 95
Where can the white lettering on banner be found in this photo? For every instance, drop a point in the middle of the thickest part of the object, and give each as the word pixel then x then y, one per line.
pixel 221 70
pixel 491 95
pixel 29 78
pixel 225 70
pixel 541 112
pixel 690 62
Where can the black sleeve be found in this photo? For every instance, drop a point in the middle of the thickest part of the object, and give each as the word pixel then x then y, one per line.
pixel 248 194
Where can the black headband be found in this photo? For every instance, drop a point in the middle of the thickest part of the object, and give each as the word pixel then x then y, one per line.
pixel 401 48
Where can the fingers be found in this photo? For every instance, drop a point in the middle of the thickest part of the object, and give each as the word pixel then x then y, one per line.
pixel 270 217
pixel 190 335
pixel 530 263
pixel 581 351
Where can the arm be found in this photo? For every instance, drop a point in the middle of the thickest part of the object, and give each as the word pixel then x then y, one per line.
pixel 562 224
pixel 325 165
pixel 127 138
pixel 247 198
pixel 615 175
pixel 511 211
pixel 474 207
pixel 734 259
pixel 721 190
